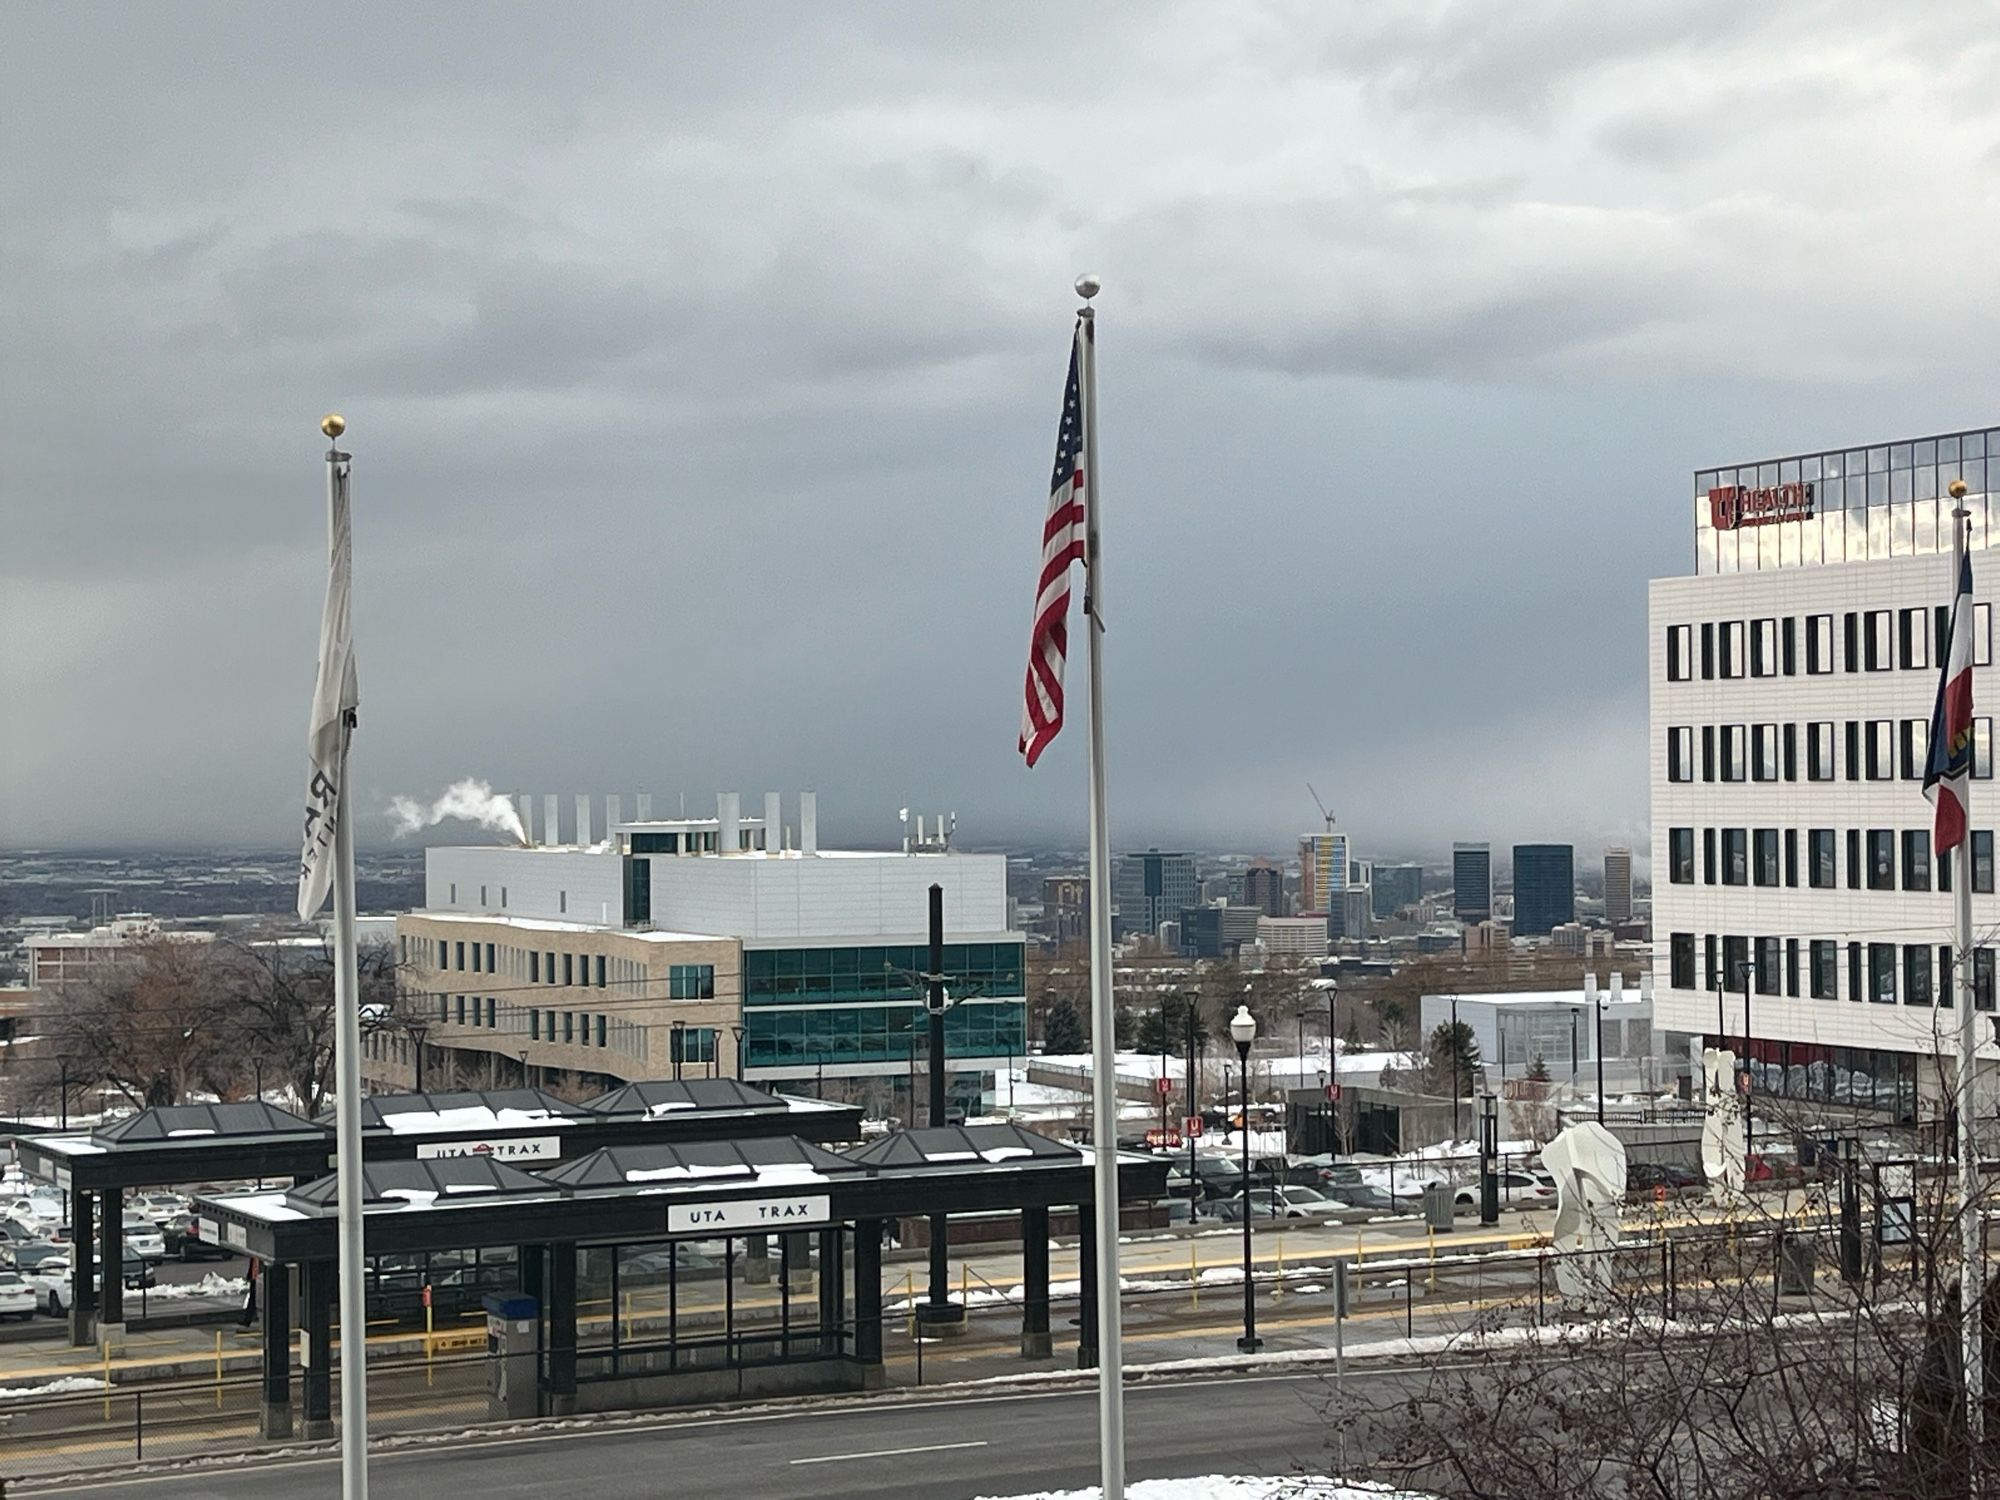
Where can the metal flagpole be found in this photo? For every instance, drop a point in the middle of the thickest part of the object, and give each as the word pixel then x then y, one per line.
pixel 1103 1022
pixel 347 1105
pixel 1972 1226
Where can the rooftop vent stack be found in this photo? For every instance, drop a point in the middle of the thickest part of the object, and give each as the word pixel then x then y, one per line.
pixel 583 818
pixel 773 828
pixel 526 806
pixel 642 809
pixel 808 823
pixel 1617 984
pixel 614 812
pixel 728 822
pixel 1590 989
pixel 551 818
pixel 1646 986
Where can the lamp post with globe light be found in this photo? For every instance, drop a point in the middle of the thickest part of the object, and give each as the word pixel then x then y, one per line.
pixel 1243 1031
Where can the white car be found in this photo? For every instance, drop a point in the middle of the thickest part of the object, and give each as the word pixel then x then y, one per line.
pixel 156 1208
pixel 1517 1190
pixel 38 1209
pixel 17 1298
pixel 143 1239
pixel 50 1281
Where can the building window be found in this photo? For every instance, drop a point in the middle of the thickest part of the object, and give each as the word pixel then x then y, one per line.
pixel 549 966
pixel 1707 652
pixel 1680 753
pixel 691 982
pixel 1820 872
pixel 691 1044
pixel 477 956
pixel 1982 749
pixel 1917 974
pixel 1914 741
pixel 600 1030
pixel 1882 973
pixel 1764 752
pixel 503 898
pixel 535 965
pixel 1792 967
pixel 1769 977
pixel 562 900
pixel 1881 859
pixel 1766 849
pixel 534 1024
pixel 1982 979
pixel 1854 859
pixel 489 959
pixel 1788 646
pixel 1735 758
pixel 1708 876
pixel 1881 749
pixel 1708 752
pixel 1680 856
pixel 1819 750
pixel 1790 735
pixel 1732 648
pixel 482 897
pixel 1680 653
pixel 569 968
pixel 1735 856
pixel 600 971
pixel 1851 640
pixel 1982 861
pixel 1853 737
pixel 1982 635
pixel 1819 644
pixel 1735 963
pixel 1763 648
pixel 1857 974
pixel 459 953
pixel 1825 961
pixel 454 893
pixel 1711 965
pixel 1680 960
pixel 1913 638
pixel 1792 857
pixel 1916 859
pixel 458 1009
pixel 569 1026
pixel 443 954
pixel 1878 641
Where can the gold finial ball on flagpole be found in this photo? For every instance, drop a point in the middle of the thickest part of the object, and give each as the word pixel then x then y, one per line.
pixel 1088 286
pixel 333 424
pixel 1956 489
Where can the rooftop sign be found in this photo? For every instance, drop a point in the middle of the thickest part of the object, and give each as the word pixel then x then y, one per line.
pixel 1731 506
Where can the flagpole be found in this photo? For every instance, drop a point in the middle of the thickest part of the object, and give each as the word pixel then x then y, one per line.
pixel 1103 1020
pixel 347 1086
pixel 1972 1227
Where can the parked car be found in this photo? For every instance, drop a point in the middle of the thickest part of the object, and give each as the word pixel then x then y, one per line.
pixel 1275 1203
pixel 1648 1178
pixel 17 1298
pixel 35 1208
pixel 51 1281
pixel 31 1254
pixel 1366 1197
pixel 144 1239
pixel 159 1209
pixel 182 1238
pixel 1218 1175
pixel 1517 1190
pixel 17 1231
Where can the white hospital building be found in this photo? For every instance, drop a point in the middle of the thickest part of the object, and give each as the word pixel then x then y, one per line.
pixel 1792 675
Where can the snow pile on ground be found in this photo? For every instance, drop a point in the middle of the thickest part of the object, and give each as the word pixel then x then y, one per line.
pixel 69 1385
pixel 210 1285
pixel 1231 1487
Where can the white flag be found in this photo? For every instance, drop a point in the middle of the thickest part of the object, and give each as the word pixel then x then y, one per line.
pixel 335 697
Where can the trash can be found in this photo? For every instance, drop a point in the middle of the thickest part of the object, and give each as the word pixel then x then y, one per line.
pixel 1437 1206
pixel 1797 1256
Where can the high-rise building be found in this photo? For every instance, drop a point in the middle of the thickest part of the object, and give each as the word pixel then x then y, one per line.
pixel 1152 887
pixel 1617 885
pixel 1264 887
pixel 1352 915
pixel 1544 888
pixel 1792 674
pixel 1397 887
pixel 1217 930
pixel 1472 882
pixel 1322 870
pixel 1066 907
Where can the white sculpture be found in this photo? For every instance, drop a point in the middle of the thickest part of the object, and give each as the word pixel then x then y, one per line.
pixel 1723 1141
pixel 1588 1164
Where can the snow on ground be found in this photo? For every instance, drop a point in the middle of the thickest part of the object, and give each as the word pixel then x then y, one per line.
pixel 210 1285
pixel 69 1385
pixel 1232 1487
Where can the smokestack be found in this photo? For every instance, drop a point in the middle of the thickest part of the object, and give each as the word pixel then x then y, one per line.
pixel 1590 988
pixel 551 818
pixel 1646 985
pixel 808 823
pixel 1617 984
pixel 525 805
pixel 614 812
pixel 773 832
pixel 583 818
pixel 728 822
pixel 643 810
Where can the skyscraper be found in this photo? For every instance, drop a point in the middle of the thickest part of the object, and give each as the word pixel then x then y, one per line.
pixel 1617 885
pixel 1322 870
pixel 1544 888
pixel 1152 888
pixel 1472 882
pixel 1397 886
pixel 1264 887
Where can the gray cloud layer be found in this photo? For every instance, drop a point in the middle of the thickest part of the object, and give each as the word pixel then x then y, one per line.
pixel 702 366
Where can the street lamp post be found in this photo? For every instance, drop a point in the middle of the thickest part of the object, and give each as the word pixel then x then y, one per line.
pixel 1243 1031
pixel 737 1032
pixel 1743 973
pixel 1193 1108
pixel 419 1030
pixel 1597 1046
pixel 62 1064
pixel 680 1047
pixel 1456 1087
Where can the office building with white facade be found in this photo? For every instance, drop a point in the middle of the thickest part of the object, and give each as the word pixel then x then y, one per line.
pixel 1792 679
pixel 697 947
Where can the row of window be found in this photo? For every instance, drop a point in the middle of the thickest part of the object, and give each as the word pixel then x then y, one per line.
pixel 1817 750
pixel 1881 973
pixel 879 1033
pixel 789 975
pixel 1870 640
pixel 1771 857
pixel 549 966
pixel 572 1027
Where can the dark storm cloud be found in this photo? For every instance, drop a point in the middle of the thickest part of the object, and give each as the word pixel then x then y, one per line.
pixel 702 366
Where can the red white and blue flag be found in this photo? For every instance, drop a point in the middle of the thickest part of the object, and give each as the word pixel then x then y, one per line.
pixel 1062 544
pixel 1949 766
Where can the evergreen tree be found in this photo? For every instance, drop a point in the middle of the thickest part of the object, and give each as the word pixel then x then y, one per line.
pixel 1452 1058
pixel 1062 1031
pixel 1171 1037
pixel 1538 1070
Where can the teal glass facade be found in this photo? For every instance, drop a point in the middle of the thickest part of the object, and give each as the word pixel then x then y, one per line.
pixel 800 1004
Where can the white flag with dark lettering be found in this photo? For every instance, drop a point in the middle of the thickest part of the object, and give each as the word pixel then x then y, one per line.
pixel 335 697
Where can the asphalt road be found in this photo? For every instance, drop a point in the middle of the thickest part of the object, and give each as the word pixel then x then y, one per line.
pixel 953 1448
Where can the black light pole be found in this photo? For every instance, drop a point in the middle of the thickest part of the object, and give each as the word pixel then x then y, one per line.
pixel 419 1031
pixel 62 1063
pixel 1597 1046
pixel 1455 1086
pixel 679 1036
pixel 737 1031
pixel 1193 1112
pixel 1743 972
pixel 938 1311
pixel 1243 1029
pixel 1572 1053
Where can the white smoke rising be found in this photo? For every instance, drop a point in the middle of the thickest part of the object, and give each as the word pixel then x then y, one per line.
pixel 468 801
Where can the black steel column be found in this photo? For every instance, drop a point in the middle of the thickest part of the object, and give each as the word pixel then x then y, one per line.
pixel 1489 1153
pixel 938 1314
pixel 562 1330
pixel 1086 1313
pixel 316 1297
pixel 111 1251
pixel 832 1289
pixel 83 1268
pixel 1035 1340
pixel 868 1299
pixel 276 1294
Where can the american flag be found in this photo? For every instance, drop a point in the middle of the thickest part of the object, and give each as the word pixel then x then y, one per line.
pixel 1062 544
pixel 1949 765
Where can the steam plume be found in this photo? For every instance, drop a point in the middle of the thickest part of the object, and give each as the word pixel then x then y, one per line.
pixel 469 801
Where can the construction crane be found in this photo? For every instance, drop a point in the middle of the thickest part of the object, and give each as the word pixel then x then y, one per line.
pixel 1322 808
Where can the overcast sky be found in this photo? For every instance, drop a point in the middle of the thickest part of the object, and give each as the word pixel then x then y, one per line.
pixel 702 366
